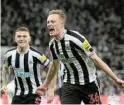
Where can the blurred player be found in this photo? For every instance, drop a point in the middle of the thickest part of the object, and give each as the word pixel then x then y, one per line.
pixel 24 62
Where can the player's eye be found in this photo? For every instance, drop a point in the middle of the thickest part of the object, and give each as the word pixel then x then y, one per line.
pixel 24 36
pixel 18 36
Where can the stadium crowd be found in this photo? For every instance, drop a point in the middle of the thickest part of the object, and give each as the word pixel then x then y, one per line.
pixel 100 21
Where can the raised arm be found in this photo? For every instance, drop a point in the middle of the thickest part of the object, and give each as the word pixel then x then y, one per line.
pixel 103 66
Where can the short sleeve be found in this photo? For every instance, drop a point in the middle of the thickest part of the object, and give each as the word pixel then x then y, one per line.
pixel 87 48
pixel 45 61
pixel 83 43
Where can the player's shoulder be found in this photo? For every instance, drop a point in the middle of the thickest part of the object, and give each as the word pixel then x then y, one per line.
pixel 74 33
pixel 10 50
pixel 75 36
pixel 35 51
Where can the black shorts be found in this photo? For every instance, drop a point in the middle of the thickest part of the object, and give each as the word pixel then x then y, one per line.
pixel 75 94
pixel 58 92
pixel 25 99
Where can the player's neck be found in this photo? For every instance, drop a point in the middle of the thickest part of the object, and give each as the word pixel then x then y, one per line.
pixel 22 49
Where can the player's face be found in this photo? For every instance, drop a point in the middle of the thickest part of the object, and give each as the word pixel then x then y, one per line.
pixel 22 38
pixel 54 25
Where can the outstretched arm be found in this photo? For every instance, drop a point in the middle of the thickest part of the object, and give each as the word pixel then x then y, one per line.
pixel 103 66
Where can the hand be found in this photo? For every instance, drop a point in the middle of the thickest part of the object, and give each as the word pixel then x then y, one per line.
pixel 37 100
pixel 50 99
pixel 120 83
pixel 41 90
pixel 3 90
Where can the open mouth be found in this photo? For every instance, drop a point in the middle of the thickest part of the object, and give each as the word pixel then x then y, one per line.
pixel 51 30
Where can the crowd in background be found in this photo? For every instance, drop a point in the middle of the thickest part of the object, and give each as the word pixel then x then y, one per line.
pixel 100 21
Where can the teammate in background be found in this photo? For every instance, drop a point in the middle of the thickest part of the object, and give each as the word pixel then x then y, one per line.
pixel 78 57
pixel 24 63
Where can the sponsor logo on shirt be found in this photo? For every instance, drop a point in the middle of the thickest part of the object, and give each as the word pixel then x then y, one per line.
pixel 21 73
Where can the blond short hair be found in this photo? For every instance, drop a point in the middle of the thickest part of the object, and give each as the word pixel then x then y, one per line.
pixel 22 29
pixel 59 12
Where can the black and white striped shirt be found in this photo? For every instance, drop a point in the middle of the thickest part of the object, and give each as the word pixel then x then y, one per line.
pixel 74 52
pixel 60 75
pixel 26 67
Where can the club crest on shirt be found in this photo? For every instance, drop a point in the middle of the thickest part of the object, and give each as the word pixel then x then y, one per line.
pixel 86 45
